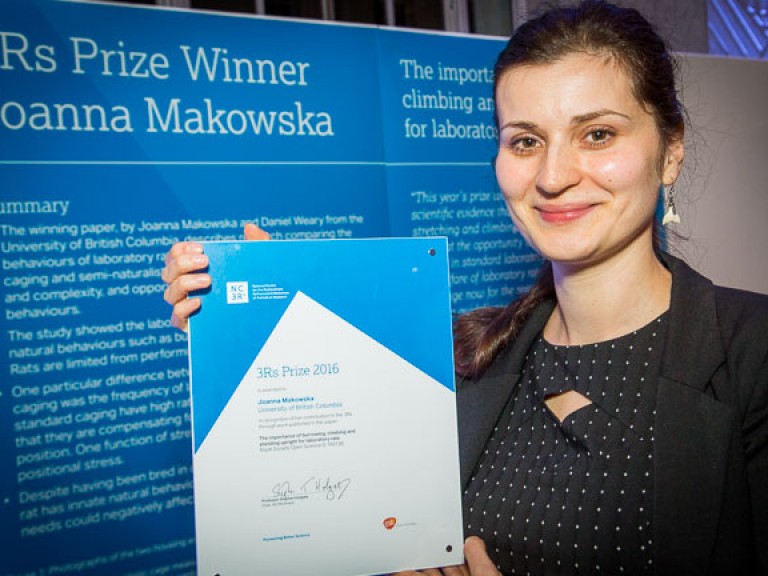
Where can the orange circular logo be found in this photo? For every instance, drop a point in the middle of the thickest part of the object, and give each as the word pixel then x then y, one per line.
pixel 390 522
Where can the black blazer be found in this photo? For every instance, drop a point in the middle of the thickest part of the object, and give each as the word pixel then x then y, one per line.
pixel 711 442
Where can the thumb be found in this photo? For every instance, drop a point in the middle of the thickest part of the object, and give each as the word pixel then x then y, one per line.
pixel 477 558
pixel 253 232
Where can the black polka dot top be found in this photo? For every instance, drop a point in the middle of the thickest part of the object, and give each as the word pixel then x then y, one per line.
pixel 573 497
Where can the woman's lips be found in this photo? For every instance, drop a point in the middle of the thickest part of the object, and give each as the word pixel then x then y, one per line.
pixel 563 214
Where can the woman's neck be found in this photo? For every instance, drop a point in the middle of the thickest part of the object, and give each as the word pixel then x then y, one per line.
pixel 609 299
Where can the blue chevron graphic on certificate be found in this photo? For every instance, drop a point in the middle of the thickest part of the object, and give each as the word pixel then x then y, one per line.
pixel 324 409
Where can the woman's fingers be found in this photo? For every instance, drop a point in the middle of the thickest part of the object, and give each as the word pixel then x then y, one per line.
pixel 181 263
pixel 176 295
pixel 456 571
pixel 183 258
pixel 183 285
pixel 182 311
pixel 477 558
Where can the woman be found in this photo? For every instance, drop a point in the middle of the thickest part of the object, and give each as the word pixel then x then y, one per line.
pixel 614 419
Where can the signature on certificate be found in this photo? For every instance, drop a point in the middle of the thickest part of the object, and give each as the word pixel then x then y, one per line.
pixel 314 485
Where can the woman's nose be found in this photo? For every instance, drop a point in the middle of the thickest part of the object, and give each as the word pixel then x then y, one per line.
pixel 558 170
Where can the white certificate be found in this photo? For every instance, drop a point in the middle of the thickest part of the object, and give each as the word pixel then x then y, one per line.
pixel 324 409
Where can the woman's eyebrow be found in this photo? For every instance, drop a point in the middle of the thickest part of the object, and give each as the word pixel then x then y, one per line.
pixel 528 126
pixel 589 116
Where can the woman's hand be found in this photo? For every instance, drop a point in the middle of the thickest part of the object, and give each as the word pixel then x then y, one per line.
pixel 181 272
pixel 182 262
pixel 478 563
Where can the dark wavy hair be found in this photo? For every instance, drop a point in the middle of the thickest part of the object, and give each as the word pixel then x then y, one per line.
pixel 597 28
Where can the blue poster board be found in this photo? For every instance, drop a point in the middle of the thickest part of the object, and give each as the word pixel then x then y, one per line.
pixel 125 129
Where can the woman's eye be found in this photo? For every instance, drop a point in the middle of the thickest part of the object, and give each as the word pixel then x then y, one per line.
pixel 524 144
pixel 599 136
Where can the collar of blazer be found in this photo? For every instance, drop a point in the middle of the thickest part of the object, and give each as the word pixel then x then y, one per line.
pixel 692 431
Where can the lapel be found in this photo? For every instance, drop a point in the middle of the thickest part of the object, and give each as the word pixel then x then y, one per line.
pixel 692 432
pixel 481 401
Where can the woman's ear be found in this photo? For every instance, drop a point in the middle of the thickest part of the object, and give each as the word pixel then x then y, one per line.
pixel 673 161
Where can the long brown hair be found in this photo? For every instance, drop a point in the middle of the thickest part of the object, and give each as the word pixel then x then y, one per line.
pixel 592 27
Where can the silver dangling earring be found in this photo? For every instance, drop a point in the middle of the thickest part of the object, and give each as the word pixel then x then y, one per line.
pixel 671 213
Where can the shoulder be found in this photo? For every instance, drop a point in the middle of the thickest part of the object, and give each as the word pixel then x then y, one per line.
pixel 699 303
pixel 743 322
pixel 718 331
pixel 741 312
pixel 742 319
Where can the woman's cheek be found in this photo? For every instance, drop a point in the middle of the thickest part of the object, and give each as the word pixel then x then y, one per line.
pixel 511 179
pixel 622 169
pixel 514 211
pixel 610 170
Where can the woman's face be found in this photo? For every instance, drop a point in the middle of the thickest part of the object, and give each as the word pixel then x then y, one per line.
pixel 580 160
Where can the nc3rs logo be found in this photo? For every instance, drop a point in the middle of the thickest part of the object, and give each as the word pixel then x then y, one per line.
pixel 237 292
